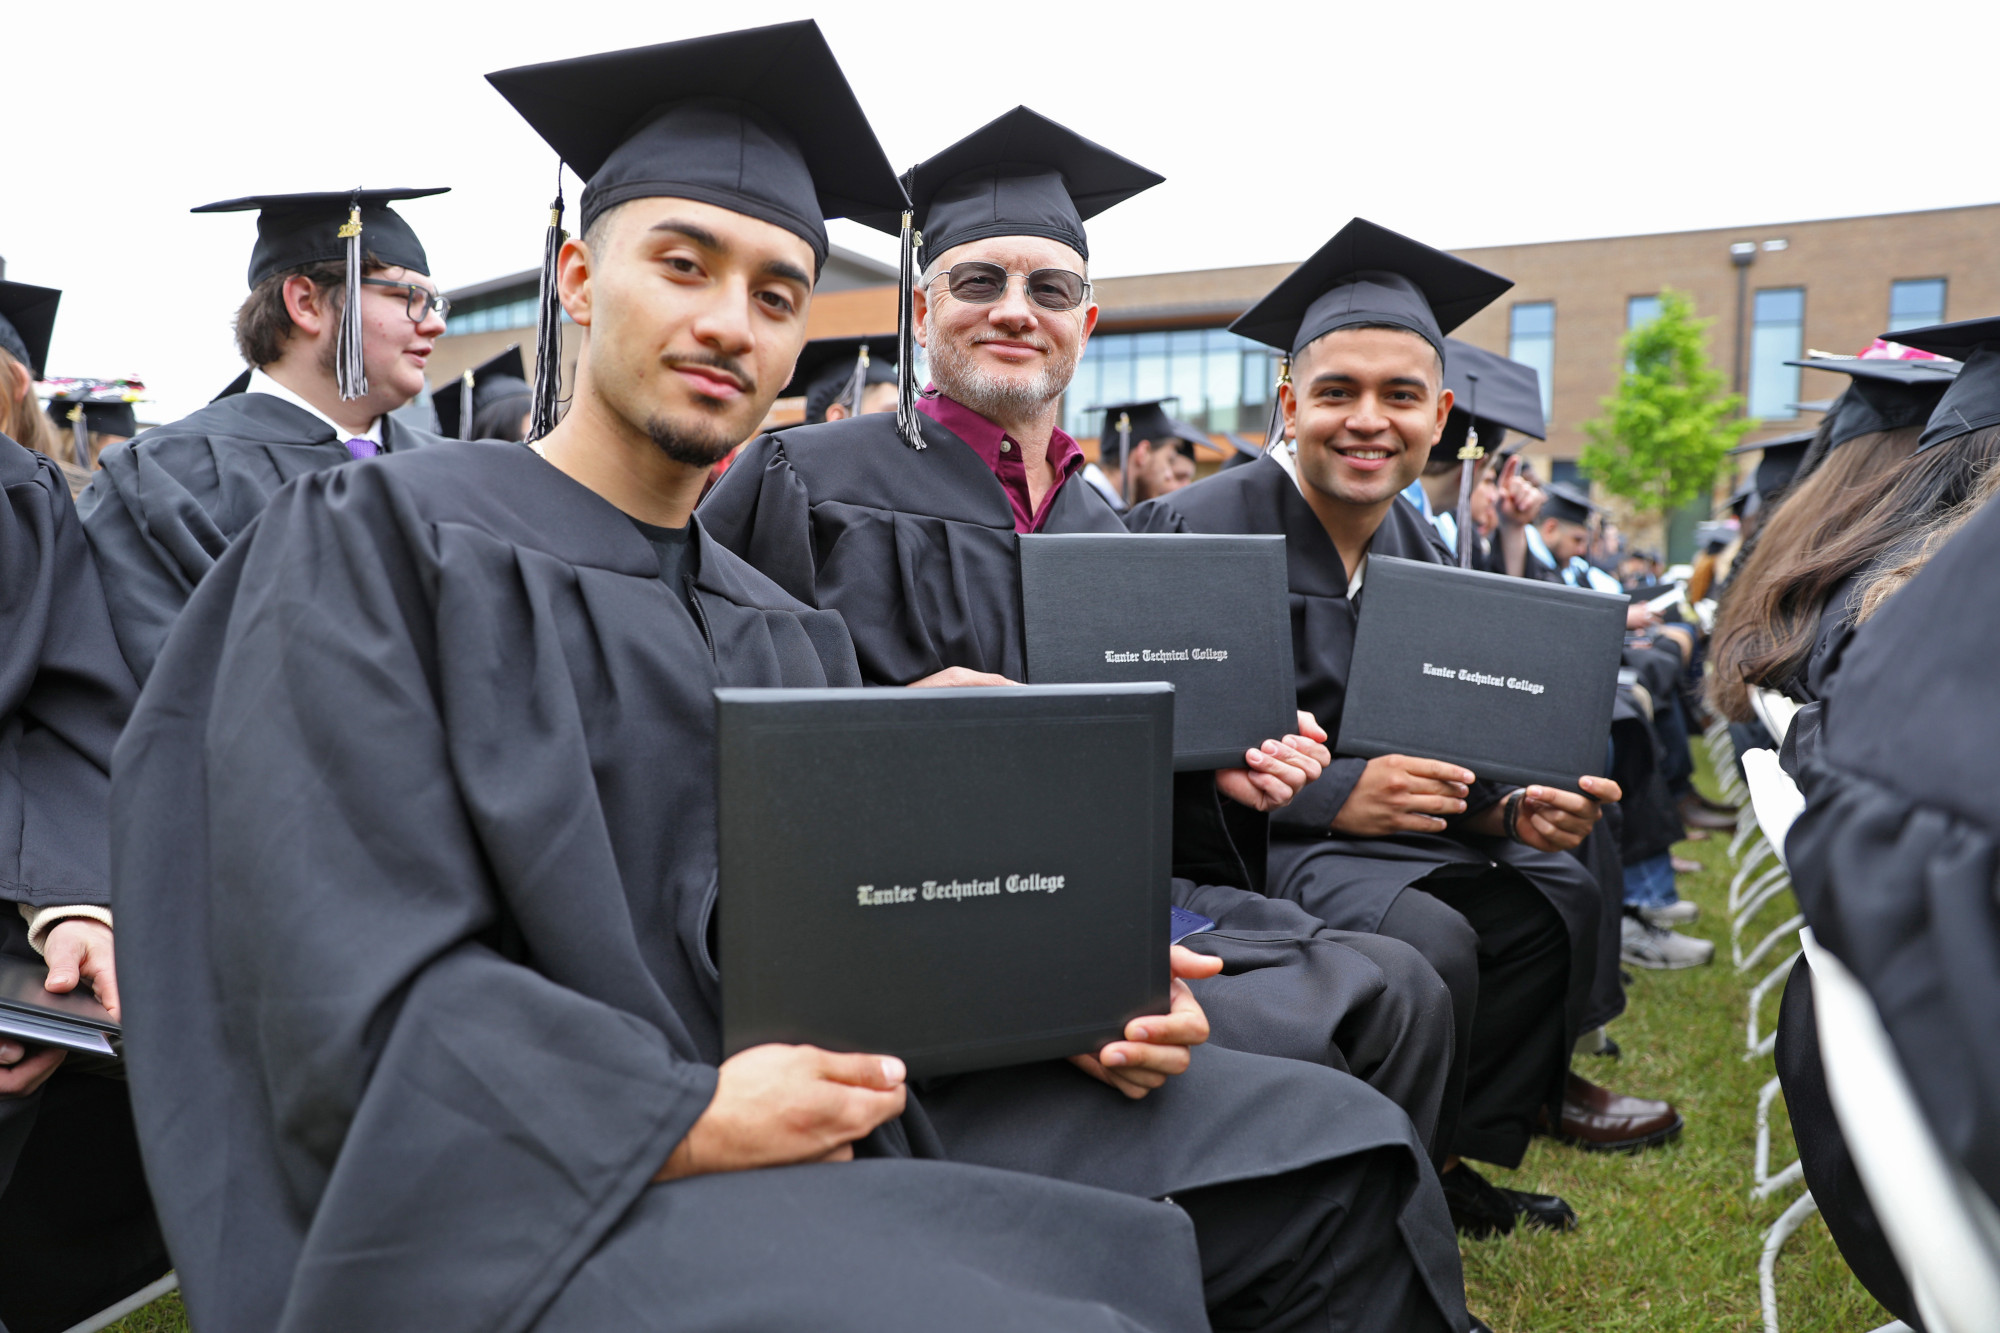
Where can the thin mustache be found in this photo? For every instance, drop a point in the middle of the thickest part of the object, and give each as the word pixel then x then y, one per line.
pixel 1037 343
pixel 725 365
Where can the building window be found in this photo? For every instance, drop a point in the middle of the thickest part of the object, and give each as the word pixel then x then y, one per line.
pixel 1222 382
pixel 1640 310
pixel 1531 340
pixel 511 308
pixel 1915 303
pixel 1777 333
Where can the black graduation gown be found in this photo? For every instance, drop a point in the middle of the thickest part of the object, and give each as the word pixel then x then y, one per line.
pixel 76 1224
pixel 1357 879
pixel 408 1045
pixel 165 504
pixel 1895 856
pixel 1809 686
pixel 917 552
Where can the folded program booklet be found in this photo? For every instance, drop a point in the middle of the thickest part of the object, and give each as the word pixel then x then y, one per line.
pixel 1207 614
pixel 964 878
pixel 31 1013
pixel 1515 679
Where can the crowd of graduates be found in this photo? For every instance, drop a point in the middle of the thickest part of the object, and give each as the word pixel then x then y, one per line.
pixel 384 750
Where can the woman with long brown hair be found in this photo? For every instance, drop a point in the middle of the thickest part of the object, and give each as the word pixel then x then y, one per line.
pixel 27 318
pixel 1851 504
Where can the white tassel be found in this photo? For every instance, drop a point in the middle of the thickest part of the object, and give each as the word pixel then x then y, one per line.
pixel 350 367
pixel 857 383
pixel 906 337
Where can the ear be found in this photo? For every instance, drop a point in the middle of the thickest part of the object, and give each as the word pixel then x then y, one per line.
pixel 920 307
pixel 1444 414
pixel 573 280
pixel 1089 326
pixel 836 411
pixel 309 308
pixel 1288 402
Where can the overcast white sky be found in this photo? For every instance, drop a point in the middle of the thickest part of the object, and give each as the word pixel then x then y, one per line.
pixel 1459 123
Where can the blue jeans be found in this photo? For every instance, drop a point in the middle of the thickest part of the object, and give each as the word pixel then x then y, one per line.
pixel 1650 883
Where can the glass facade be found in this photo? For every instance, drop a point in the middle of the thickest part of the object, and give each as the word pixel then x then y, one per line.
pixel 1777 334
pixel 513 308
pixel 1223 382
pixel 1916 302
pixel 1531 340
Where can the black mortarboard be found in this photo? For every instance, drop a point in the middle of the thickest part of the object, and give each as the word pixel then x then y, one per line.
pixel 1973 398
pixel 1506 395
pixel 1143 421
pixel 1370 275
pixel 1782 456
pixel 828 368
pixel 1884 394
pixel 1019 175
pixel 27 322
pixel 294 230
pixel 86 407
pixel 1563 501
pixel 493 381
pixel 761 122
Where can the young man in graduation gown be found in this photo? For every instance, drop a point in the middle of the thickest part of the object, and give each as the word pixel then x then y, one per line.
pixel 491 401
pixel 77 1231
pixel 436 935
pixel 845 377
pixel 1472 875
pixel 908 527
pixel 1142 453
pixel 326 370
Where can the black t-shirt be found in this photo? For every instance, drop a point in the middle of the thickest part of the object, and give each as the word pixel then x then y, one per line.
pixel 678 560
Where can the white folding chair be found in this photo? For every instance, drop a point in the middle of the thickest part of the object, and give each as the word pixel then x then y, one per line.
pixel 1763 1183
pixel 1757 1043
pixel 137 1301
pixel 1775 711
pixel 1944 1230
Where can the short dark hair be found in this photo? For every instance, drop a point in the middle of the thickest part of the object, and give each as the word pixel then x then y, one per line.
pixel 1436 355
pixel 264 325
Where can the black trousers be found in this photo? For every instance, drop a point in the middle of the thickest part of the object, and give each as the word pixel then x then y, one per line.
pixel 1504 955
pixel 1829 1169
pixel 77 1230
pixel 1274 1251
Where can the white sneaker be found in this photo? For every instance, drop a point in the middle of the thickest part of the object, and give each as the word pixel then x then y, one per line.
pixel 1676 913
pixel 1645 945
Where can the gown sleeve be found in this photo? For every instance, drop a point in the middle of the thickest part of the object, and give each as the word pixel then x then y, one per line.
pixel 760 511
pixel 436 1122
pixel 153 541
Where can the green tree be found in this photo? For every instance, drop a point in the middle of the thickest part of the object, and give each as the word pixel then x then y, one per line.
pixel 1666 430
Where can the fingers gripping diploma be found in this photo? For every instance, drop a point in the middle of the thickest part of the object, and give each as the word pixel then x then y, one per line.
pixel 1553 820
pixel 1277 770
pixel 783 1105
pixel 1401 794
pixel 1156 1046
pixel 77 950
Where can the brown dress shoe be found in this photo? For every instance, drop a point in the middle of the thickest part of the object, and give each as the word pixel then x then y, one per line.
pixel 1600 1120
pixel 1696 815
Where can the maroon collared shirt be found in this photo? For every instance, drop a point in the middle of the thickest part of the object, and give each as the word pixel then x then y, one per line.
pixel 1002 453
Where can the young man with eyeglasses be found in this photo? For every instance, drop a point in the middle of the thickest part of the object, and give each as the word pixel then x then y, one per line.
pixel 166 504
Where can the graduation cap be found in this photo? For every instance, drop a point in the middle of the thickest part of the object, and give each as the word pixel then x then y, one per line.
pixel 761 122
pixel 1884 394
pixel 465 407
pixel 837 370
pixel 1782 456
pixel 1021 174
pixel 1972 400
pixel 1563 501
pixel 87 407
pixel 1128 423
pixel 27 322
pixel 1370 275
pixel 294 230
pixel 1490 394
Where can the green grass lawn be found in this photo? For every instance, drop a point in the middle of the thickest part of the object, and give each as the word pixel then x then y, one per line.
pixel 1670 1238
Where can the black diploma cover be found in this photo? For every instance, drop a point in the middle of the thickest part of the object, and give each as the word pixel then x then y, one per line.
pixel 1513 678
pixel 964 878
pixel 33 1014
pixel 1208 614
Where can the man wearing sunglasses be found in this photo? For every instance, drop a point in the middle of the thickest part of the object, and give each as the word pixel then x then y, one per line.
pixel 165 505
pixel 908 528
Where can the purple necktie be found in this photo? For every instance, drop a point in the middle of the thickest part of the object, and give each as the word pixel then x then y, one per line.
pixel 363 448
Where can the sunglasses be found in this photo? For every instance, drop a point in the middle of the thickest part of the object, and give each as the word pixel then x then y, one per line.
pixel 977 282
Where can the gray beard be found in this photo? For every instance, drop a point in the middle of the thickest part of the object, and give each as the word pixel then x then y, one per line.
pixel 954 371
pixel 692 448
